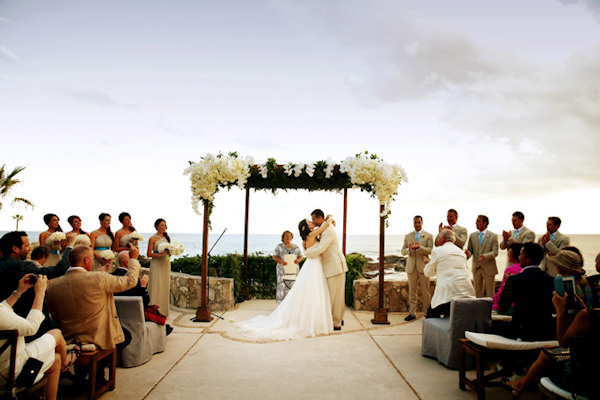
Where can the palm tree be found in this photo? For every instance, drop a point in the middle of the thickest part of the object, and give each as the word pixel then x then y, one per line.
pixel 18 217
pixel 7 182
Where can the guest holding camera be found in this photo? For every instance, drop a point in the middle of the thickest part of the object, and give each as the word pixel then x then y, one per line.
pixel 50 348
pixel 569 263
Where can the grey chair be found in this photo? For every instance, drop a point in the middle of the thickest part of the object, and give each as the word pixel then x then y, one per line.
pixel 147 338
pixel 441 335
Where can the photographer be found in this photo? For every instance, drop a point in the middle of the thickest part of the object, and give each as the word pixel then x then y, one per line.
pixel 50 348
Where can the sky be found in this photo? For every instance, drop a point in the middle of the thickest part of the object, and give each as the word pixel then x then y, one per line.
pixel 490 106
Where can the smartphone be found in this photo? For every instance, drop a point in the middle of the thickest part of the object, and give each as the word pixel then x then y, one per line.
pixel 566 284
pixel 32 279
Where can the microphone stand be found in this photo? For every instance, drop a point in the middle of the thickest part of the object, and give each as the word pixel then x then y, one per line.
pixel 207 278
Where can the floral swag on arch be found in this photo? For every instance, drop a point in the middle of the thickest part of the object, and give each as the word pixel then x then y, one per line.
pixel 365 171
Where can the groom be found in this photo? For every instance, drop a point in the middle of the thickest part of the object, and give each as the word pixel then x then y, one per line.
pixel 334 267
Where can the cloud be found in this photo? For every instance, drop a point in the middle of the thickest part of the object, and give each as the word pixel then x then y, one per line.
pixel 593 6
pixel 7 55
pixel 91 97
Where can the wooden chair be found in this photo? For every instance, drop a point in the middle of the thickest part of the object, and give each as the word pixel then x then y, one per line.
pixel 10 391
pixel 90 360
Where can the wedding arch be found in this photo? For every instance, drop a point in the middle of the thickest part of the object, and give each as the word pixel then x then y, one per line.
pixel 364 171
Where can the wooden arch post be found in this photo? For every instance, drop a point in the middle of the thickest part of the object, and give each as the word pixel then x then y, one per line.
pixel 380 316
pixel 203 312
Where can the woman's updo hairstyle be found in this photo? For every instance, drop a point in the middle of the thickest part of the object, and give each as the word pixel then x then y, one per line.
pixel 108 231
pixel 157 223
pixel 73 218
pixel 304 229
pixel 122 217
pixel 48 218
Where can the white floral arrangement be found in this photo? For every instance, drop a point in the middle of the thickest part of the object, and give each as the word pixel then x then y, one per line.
pixel 175 248
pixel 136 236
pixel 107 255
pixel 82 240
pixel 58 236
pixel 210 171
pixel 365 169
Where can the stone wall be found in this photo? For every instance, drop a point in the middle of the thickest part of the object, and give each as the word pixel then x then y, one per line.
pixel 395 295
pixel 186 291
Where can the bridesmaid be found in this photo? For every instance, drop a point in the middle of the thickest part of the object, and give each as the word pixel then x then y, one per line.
pixel 160 268
pixel 122 237
pixel 75 223
pixel 53 226
pixel 101 239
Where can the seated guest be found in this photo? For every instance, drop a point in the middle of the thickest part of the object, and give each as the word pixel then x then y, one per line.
pixel 13 266
pixel 594 282
pixel 568 263
pixel 40 255
pixel 140 288
pixel 586 323
pixel 82 303
pixel 513 258
pixel 449 263
pixel 530 293
pixel 50 348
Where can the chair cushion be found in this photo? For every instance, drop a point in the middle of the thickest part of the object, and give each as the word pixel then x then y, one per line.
pixel 551 387
pixel 502 343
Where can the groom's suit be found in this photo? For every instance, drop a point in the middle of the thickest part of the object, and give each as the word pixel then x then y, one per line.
pixel 335 268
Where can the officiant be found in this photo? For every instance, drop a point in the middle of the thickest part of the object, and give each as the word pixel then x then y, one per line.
pixel 285 247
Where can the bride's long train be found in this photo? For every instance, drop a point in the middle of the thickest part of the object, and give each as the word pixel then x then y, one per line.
pixel 305 311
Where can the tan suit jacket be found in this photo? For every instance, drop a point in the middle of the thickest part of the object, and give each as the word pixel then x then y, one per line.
pixel 332 258
pixel 419 257
pixel 550 250
pixel 82 305
pixel 461 235
pixel 525 235
pixel 489 249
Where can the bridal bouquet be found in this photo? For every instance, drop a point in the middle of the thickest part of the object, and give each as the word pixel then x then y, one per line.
pixel 82 240
pixel 175 248
pixel 58 236
pixel 107 255
pixel 136 236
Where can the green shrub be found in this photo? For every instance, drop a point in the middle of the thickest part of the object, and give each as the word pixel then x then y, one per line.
pixel 262 274
pixel 356 265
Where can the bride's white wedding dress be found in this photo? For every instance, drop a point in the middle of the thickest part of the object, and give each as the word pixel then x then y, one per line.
pixel 305 311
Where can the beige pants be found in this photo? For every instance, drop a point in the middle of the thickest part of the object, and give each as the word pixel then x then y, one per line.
pixel 484 284
pixel 423 282
pixel 337 293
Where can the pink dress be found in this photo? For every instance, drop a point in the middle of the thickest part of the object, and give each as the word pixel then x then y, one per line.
pixel 510 271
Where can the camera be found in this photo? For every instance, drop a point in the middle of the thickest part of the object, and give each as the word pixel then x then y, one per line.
pixel 33 279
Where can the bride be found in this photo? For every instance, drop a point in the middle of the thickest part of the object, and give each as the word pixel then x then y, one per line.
pixel 306 310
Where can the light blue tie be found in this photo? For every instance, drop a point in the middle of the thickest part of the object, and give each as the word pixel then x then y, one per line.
pixel 480 237
pixel 552 236
pixel 417 236
pixel 515 234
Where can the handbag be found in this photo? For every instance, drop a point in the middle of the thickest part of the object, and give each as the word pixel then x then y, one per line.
pixel 152 314
pixel 30 371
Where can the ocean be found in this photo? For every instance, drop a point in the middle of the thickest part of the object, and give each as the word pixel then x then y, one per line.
pixel 589 245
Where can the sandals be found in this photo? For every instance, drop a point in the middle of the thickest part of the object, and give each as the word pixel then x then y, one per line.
pixel 516 394
pixel 73 355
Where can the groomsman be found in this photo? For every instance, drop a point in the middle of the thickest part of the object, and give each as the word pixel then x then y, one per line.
pixel 552 242
pixel 417 245
pixel 518 235
pixel 459 231
pixel 483 246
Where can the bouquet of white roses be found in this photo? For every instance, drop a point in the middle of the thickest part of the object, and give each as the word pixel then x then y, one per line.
pixel 175 248
pixel 136 236
pixel 58 236
pixel 107 254
pixel 82 240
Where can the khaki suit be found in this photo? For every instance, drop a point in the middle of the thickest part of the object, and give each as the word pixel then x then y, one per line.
pixel 525 235
pixel 550 250
pixel 461 235
pixel 335 268
pixel 415 263
pixel 484 272
pixel 82 305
